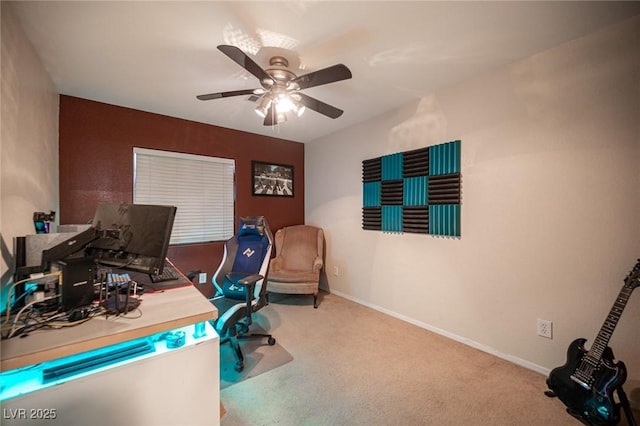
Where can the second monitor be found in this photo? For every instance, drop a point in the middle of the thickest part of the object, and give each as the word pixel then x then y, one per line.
pixel 132 236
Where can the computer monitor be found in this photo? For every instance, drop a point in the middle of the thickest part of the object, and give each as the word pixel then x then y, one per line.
pixel 132 236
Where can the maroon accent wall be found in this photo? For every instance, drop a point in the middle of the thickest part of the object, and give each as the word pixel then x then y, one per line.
pixel 96 165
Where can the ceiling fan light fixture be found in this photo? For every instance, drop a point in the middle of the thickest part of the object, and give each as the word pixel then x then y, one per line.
pixel 284 103
pixel 298 107
pixel 263 106
pixel 292 85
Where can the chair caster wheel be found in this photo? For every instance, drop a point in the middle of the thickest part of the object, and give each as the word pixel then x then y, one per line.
pixel 271 341
pixel 239 366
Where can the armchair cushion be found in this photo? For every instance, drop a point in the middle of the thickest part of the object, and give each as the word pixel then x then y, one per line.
pixel 295 276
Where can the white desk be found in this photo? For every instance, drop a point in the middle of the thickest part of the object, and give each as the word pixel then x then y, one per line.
pixel 176 387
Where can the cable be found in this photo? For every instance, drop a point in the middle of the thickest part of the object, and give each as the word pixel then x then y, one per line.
pixel 58 320
pixel 60 324
pixel 26 294
pixel 28 305
pixel 106 265
pixel 13 286
pixel 125 316
pixel 32 317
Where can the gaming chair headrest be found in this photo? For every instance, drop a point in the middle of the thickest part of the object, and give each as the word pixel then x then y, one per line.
pixel 253 225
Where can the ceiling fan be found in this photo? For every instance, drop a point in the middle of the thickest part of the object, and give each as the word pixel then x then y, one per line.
pixel 281 89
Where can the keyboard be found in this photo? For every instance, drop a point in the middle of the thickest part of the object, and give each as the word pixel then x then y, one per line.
pixel 168 274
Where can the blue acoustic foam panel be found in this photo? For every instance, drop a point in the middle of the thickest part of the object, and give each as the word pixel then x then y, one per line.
pixel 415 191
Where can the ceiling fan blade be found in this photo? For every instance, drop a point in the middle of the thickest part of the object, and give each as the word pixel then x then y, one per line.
pixel 324 76
pixel 319 106
pixel 241 58
pixel 226 94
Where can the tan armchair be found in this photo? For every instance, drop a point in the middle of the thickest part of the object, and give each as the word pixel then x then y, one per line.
pixel 296 267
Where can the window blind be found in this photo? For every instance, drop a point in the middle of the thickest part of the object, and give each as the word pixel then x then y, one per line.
pixel 201 187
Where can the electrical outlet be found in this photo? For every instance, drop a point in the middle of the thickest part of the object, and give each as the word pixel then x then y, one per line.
pixel 545 328
pixel 336 271
pixel 202 278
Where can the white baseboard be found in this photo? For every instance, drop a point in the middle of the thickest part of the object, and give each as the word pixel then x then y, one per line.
pixel 518 361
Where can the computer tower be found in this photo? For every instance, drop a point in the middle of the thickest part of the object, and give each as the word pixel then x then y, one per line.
pixel 78 277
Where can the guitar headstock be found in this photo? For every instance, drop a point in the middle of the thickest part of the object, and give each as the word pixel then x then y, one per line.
pixel 633 278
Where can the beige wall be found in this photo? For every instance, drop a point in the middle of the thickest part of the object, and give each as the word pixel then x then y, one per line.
pixel 28 138
pixel 550 214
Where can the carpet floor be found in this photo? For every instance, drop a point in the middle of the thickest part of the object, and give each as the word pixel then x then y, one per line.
pixel 353 365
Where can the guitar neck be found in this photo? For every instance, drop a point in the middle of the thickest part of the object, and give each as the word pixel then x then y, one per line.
pixel 606 331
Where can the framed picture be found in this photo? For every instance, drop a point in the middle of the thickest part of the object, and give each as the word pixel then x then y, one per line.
pixel 270 179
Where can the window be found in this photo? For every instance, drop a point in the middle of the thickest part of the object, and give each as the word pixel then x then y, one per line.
pixel 202 188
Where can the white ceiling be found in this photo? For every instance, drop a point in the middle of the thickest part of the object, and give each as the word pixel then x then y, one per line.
pixel 157 56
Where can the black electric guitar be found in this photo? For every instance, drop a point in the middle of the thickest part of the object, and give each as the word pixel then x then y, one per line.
pixel 586 382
